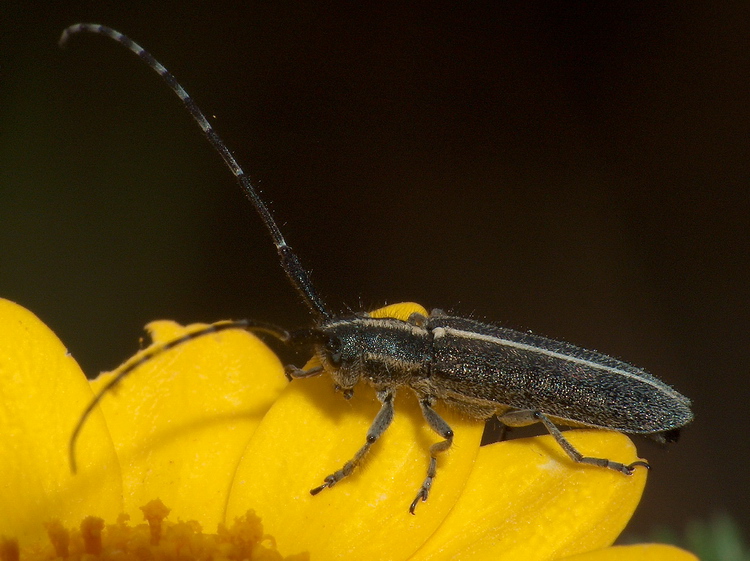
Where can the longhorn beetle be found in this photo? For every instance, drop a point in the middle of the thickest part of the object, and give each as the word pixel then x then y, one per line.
pixel 478 369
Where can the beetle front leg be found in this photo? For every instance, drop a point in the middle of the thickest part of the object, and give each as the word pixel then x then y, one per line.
pixel 525 418
pixel 379 425
pixel 295 373
pixel 438 424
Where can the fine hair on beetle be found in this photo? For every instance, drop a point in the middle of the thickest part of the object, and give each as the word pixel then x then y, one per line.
pixel 478 369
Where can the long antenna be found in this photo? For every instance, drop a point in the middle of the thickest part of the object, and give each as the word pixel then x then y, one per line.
pixel 299 278
pixel 126 369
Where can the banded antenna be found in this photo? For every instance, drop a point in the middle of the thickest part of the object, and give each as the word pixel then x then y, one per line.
pixel 299 278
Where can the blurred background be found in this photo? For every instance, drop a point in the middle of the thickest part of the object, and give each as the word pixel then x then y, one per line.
pixel 579 170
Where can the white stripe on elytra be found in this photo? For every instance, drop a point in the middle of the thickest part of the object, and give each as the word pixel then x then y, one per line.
pixel 552 354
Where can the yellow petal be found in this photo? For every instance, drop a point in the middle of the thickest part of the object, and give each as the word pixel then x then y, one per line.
pixel 643 552
pixel 527 500
pixel 181 421
pixel 309 433
pixel 402 311
pixel 42 394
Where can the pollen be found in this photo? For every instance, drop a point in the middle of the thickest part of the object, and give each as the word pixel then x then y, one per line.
pixel 156 539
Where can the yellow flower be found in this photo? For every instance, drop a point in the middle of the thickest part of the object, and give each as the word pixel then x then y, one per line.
pixel 213 429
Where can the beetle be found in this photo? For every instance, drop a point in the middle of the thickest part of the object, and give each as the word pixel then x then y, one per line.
pixel 479 369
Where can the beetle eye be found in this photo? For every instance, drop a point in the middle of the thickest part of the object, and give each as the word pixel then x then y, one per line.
pixel 333 347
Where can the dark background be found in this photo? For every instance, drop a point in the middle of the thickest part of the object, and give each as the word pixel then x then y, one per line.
pixel 578 170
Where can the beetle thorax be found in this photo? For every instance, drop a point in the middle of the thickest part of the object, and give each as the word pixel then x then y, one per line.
pixel 382 352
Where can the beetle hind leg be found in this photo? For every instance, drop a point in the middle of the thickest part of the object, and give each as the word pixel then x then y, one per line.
pixel 524 418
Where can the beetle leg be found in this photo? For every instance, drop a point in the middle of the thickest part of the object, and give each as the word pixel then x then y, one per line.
pixel 291 372
pixel 438 424
pixel 523 418
pixel 379 425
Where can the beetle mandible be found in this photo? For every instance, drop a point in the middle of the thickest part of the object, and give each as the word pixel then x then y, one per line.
pixel 479 369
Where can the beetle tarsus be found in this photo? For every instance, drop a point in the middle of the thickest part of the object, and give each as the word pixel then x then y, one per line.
pixel 424 492
pixel 330 481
